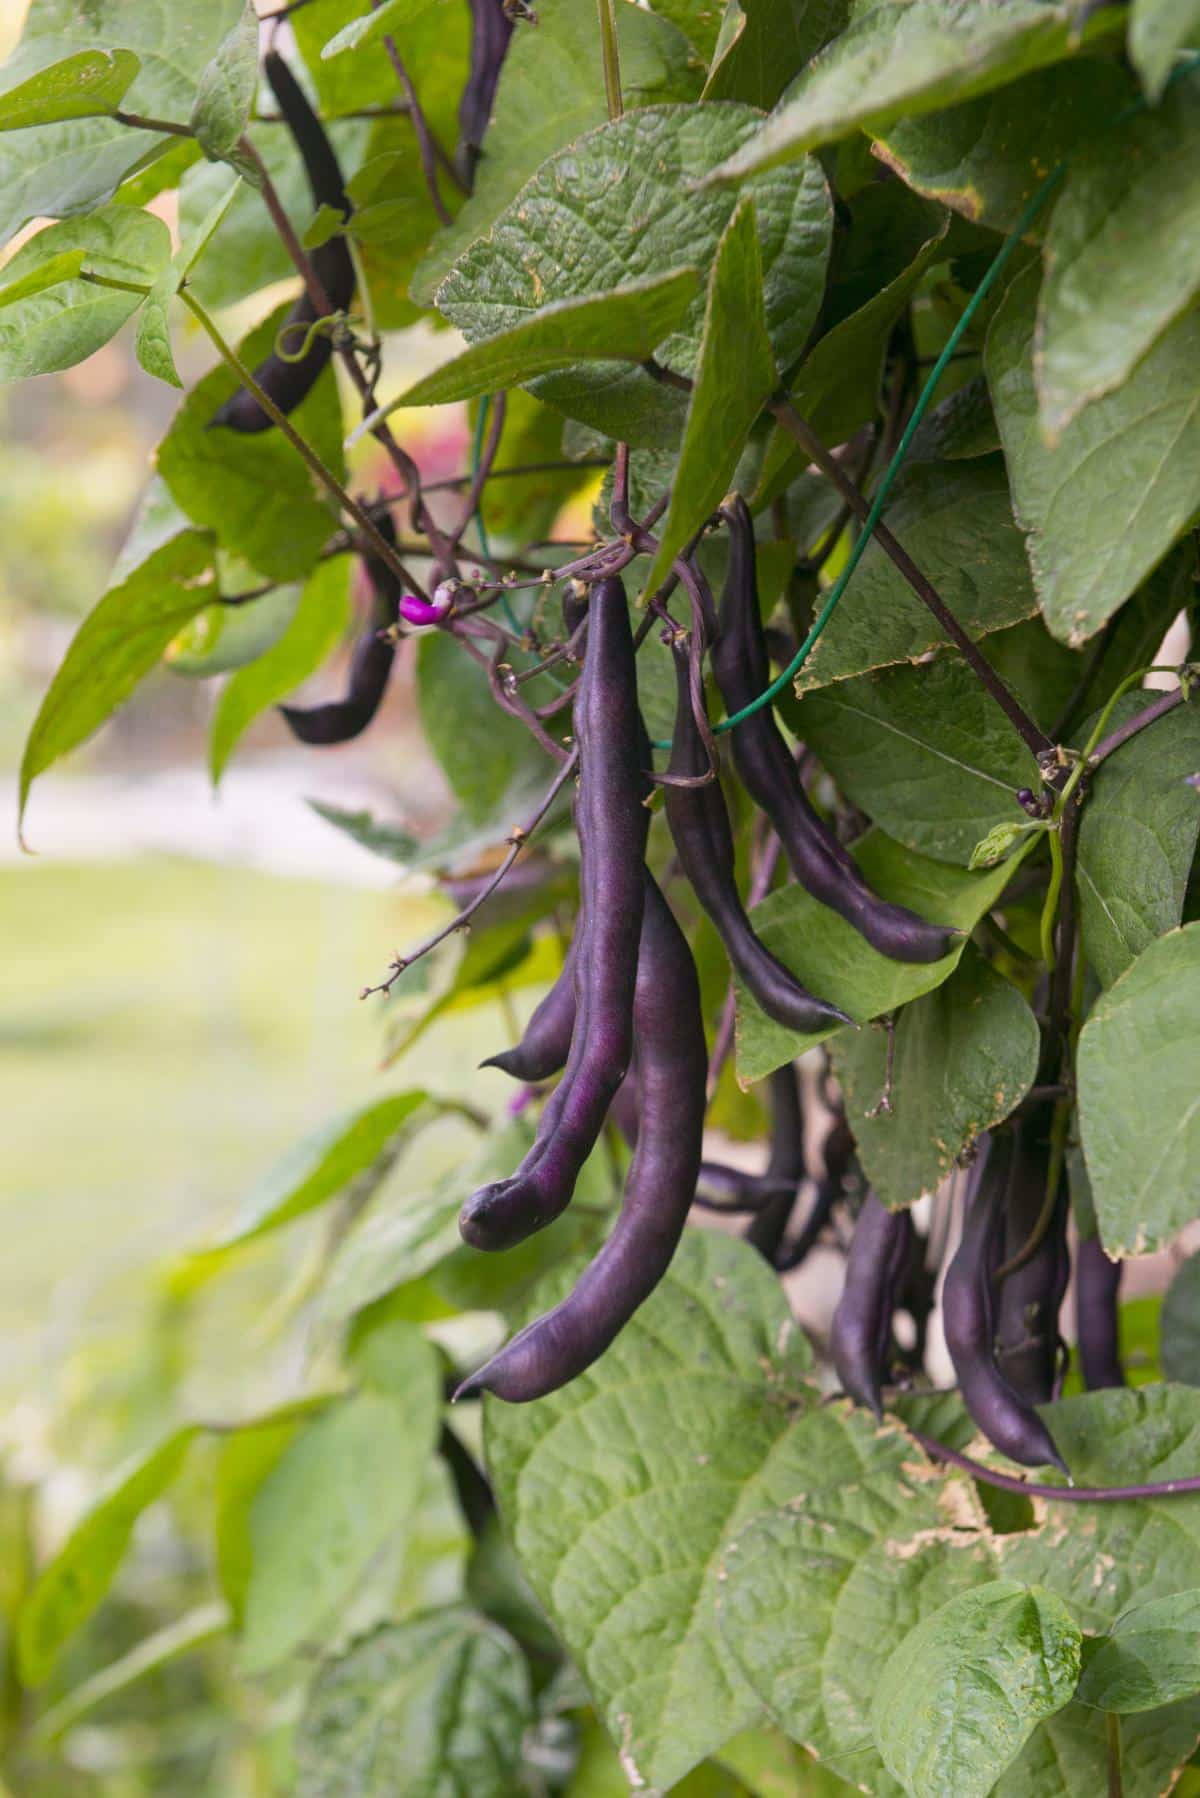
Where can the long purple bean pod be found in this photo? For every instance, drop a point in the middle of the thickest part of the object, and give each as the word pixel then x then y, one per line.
pixel 491 30
pixel 612 824
pixel 1031 1296
pixel 287 382
pixel 700 828
pixel 546 1044
pixel 769 774
pixel 343 719
pixel 862 1323
pixel 672 1064
pixel 766 1228
pixel 1097 1283
pixel 1006 1419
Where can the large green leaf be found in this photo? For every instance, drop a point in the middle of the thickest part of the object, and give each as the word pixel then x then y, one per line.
pixel 1150 1657
pixel 960 1695
pixel 769 44
pixel 682 1418
pixel 69 1587
pixel 618 205
pixel 1122 256
pixel 53 170
pixel 551 91
pixel 57 325
pixel 1158 31
pixel 255 492
pixel 1139 1116
pixel 337 1494
pixel 926 752
pixel 829 957
pixel 116 646
pixel 902 57
pixel 317 625
pixel 437 1705
pixel 986 157
pixel 1137 839
pixel 955 520
pixel 87 86
pixel 964 1056
pixel 734 376
pixel 627 323
pixel 1106 503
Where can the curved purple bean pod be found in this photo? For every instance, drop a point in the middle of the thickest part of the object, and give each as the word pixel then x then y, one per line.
pixel 765 1230
pixel 546 1044
pixel 1031 1296
pixel 288 383
pixel 1006 1419
pixel 769 774
pixel 343 719
pixel 491 29
pixel 612 823
pixel 699 824
pixel 1097 1282
pixel 672 1064
pixel 862 1323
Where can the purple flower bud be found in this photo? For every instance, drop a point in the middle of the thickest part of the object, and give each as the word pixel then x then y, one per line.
pixel 422 611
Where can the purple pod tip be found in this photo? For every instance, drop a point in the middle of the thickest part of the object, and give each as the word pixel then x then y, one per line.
pixel 421 611
pixel 472 1385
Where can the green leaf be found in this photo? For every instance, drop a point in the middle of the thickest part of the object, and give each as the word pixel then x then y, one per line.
pixel 153 345
pixel 255 492
pixel 961 1695
pixel 243 1462
pixel 1150 1657
pixel 551 91
pixel 322 1166
pixel 618 205
pixel 375 25
pixel 1103 507
pixel 686 1409
pixel 955 520
pixel 85 86
pixel 1158 31
pixel 482 752
pixel 902 57
pixel 338 1493
pixel 986 157
pixel 388 840
pixel 770 43
pixel 1136 1074
pixel 1179 1324
pixel 440 1704
pixel 627 322
pixel 1122 256
pixel 317 626
pixel 829 957
pixel 116 646
pixel 965 1056
pixel 1137 840
pixel 226 92
pixel 195 1629
pixel 926 752
pixel 734 376
pixel 52 318
pixel 54 170
pixel 700 21
pixel 69 1587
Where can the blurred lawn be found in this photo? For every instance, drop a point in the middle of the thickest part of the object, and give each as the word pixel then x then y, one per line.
pixel 167 1029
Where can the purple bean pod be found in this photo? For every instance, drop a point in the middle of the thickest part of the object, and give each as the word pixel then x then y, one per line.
pixel 1006 1419
pixel 546 1044
pixel 769 774
pixel 288 383
pixel 612 823
pixel 1031 1297
pixel 491 30
pixel 658 1189
pixel 343 719
pixel 699 824
pixel 1097 1284
pixel 862 1324
pixel 766 1228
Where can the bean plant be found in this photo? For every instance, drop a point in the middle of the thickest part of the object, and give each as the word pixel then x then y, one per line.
pixel 824 819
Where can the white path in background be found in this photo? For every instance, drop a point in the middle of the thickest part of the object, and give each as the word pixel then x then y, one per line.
pixel 260 818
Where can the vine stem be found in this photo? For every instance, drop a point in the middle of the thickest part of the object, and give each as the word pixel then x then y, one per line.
pixel 612 58
pixel 1112 1743
pixel 139 122
pixel 313 462
pixel 1087 1495
pixel 421 129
